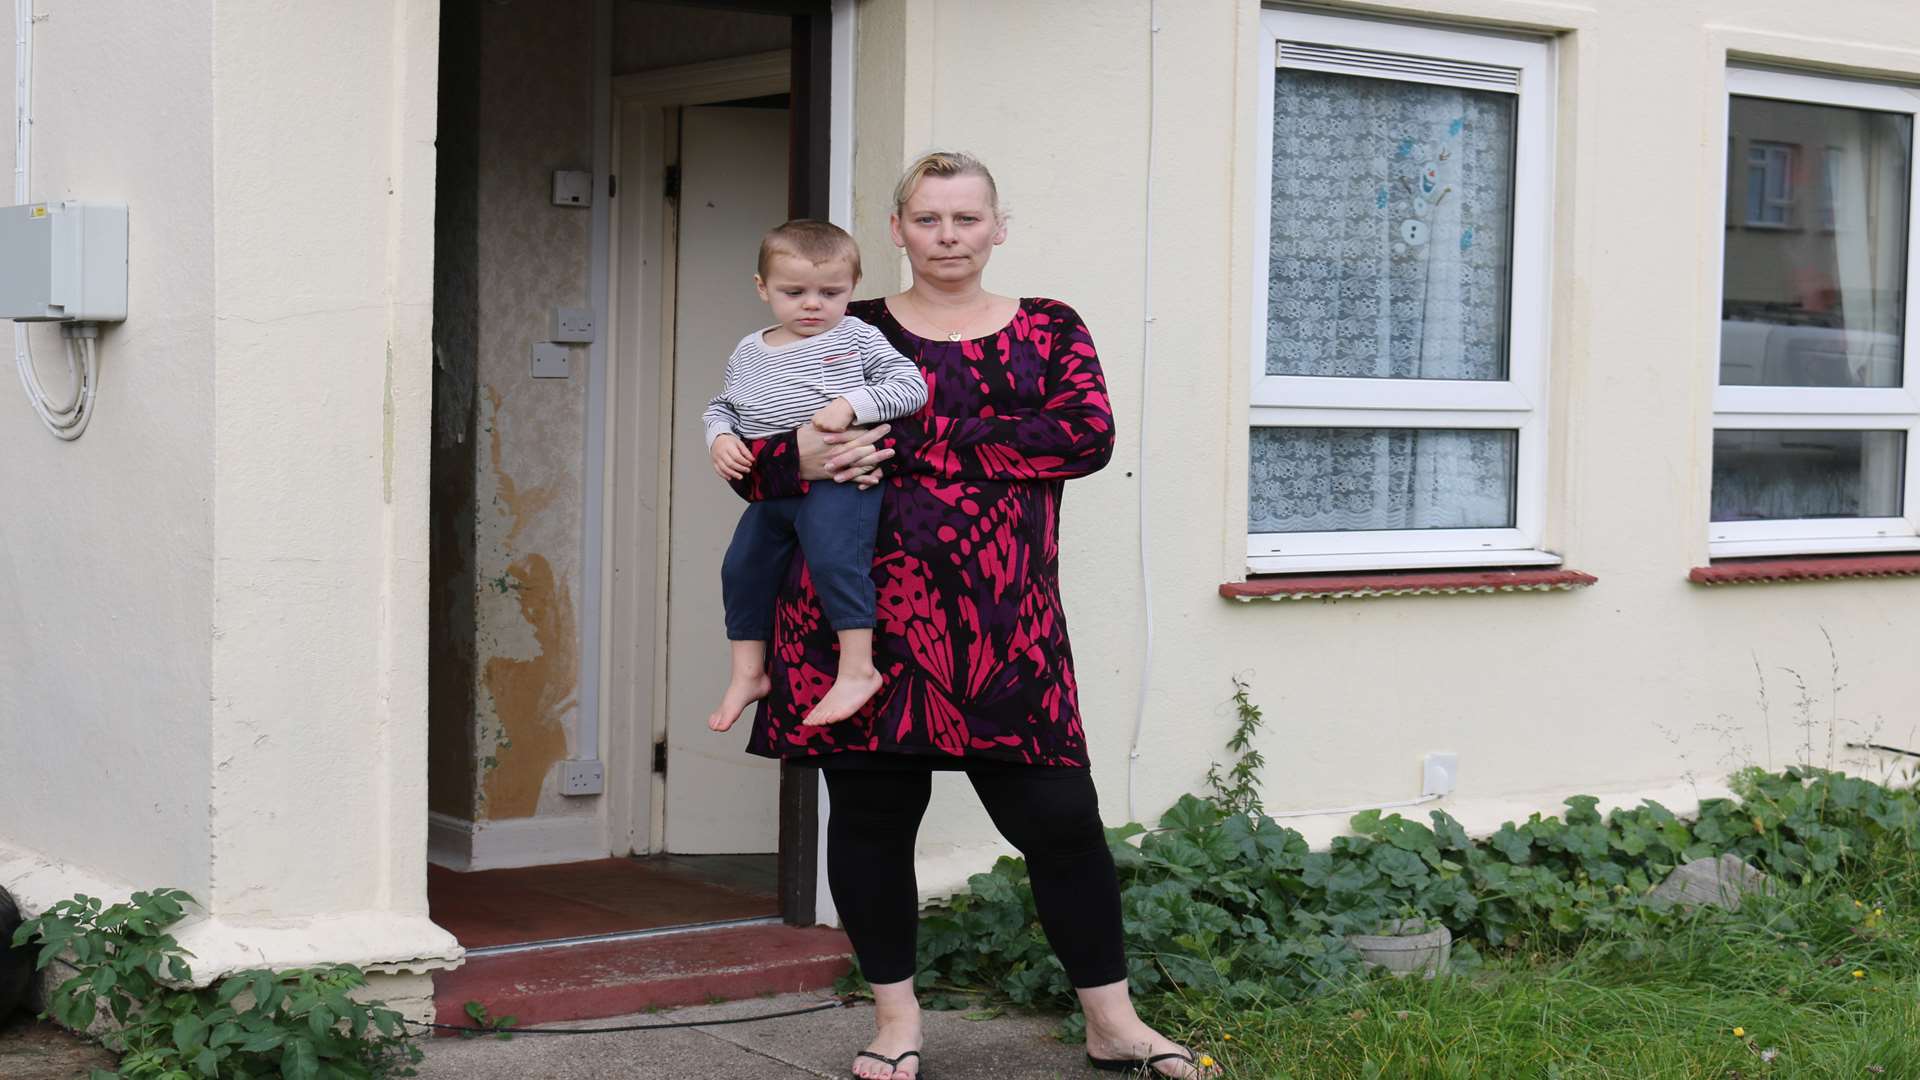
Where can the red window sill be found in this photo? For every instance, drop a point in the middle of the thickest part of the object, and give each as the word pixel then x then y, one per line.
pixel 1811 568
pixel 1403 583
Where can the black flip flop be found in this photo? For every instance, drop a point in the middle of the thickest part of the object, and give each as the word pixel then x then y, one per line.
pixel 1137 1064
pixel 894 1062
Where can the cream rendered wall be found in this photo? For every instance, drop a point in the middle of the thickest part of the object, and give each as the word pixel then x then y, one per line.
pixel 1643 684
pixel 106 544
pixel 241 641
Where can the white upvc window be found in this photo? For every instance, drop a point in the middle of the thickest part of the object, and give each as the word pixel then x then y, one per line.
pixel 1816 441
pixel 1400 325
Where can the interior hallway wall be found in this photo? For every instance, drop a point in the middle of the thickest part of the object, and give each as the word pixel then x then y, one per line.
pixel 456 315
pixel 512 721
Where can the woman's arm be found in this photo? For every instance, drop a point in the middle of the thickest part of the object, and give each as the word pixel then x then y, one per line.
pixel 786 463
pixel 1071 435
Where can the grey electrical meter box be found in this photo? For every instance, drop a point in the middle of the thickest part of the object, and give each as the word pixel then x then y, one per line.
pixel 64 261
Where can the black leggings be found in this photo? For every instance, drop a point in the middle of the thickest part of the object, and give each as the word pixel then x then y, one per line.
pixel 1050 814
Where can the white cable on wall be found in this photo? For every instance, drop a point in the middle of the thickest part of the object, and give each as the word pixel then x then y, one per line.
pixel 66 420
pixel 1146 357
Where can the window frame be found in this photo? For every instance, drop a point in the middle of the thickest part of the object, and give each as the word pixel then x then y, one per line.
pixel 1813 408
pixel 1518 403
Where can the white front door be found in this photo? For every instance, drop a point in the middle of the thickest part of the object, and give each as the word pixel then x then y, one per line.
pixel 733 188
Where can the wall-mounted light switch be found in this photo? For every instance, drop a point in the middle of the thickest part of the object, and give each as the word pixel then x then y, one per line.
pixel 549 360
pixel 572 325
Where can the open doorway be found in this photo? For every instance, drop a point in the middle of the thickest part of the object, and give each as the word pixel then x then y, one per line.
pixel 712 126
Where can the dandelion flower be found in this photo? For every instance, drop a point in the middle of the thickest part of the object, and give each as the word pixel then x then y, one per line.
pixel 1227 1037
pixel 1739 1032
pixel 1206 1061
pixel 1858 974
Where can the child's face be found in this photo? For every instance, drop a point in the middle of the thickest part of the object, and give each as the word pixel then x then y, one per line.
pixel 808 299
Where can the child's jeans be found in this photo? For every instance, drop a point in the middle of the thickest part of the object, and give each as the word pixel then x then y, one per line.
pixel 834 526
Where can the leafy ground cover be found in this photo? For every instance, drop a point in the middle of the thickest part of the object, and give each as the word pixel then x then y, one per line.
pixel 1564 963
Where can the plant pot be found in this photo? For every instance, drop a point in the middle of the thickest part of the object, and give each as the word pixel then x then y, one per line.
pixel 1405 946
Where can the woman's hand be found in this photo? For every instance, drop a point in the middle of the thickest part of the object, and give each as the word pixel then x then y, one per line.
pixel 842 456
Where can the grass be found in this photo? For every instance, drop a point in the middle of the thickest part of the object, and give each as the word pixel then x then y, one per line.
pixel 1627 1007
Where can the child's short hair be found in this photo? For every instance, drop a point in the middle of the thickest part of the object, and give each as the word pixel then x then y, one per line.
pixel 817 242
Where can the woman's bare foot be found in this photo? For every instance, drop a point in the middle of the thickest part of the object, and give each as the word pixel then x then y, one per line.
pixel 850 690
pixel 897 1018
pixel 741 692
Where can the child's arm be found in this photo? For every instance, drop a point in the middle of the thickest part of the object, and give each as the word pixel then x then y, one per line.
pixel 894 386
pixel 731 458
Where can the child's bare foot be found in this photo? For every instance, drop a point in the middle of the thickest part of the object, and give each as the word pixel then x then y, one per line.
pixel 850 691
pixel 741 692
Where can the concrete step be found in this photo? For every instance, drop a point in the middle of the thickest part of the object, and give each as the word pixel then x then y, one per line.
pixel 596 979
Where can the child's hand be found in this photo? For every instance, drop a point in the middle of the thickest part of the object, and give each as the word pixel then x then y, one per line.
pixel 837 416
pixel 731 458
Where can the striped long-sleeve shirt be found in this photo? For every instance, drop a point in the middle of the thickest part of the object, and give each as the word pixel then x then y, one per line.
pixel 768 390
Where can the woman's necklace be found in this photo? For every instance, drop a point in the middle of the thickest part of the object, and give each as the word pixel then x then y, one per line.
pixel 920 310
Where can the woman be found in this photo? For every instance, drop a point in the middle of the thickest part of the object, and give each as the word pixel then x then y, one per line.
pixel 970 636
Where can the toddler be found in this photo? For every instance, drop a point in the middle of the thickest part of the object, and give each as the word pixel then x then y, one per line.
pixel 817 366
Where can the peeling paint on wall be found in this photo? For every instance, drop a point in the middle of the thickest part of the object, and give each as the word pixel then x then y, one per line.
pixel 532 696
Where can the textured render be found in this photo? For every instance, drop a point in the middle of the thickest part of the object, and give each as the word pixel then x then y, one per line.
pixel 1600 689
pixel 320 453
pixel 106 544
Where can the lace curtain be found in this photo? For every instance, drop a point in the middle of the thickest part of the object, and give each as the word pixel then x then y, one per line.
pixel 1392 204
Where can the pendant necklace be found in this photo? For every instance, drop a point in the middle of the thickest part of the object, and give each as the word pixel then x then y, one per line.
pixel 952 335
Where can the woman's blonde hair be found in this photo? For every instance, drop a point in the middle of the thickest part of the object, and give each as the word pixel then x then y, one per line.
pixel 944 163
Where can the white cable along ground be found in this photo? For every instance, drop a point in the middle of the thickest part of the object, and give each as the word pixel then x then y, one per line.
pixel 66 419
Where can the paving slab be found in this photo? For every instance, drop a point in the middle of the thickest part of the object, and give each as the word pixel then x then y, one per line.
pixel 809 1047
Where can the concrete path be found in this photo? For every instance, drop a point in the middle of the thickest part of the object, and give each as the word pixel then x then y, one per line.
pixel 1008 1047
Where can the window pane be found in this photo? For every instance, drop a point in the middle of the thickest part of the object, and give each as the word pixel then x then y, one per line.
pixel 1392 208
pixel 1784 475
pixel 1815 279
pixel 1345 479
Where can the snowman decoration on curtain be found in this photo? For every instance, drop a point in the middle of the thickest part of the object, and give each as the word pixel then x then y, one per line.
pixel 1427 190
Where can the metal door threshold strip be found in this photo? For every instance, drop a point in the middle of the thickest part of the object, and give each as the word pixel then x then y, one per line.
pixel 623 935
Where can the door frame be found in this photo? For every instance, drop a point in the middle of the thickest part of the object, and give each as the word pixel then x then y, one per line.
pixel 638 401
pixel 640 392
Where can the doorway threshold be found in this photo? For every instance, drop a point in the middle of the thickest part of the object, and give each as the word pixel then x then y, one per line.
pixel 600 899
pixel 629 973
pixel 624 935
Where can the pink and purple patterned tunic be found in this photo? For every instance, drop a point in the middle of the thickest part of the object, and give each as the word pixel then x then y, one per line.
pixel 970 638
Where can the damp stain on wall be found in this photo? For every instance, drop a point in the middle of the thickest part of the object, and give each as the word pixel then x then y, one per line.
pixel 531 696
pixel 528 641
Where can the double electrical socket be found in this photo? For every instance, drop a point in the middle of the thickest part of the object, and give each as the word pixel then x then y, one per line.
pixel 582 778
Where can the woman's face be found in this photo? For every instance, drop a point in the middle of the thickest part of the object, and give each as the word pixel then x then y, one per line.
pixel 948 228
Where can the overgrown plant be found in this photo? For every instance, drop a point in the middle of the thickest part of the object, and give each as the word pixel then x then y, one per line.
pixel 1223 900
pixel 299 1024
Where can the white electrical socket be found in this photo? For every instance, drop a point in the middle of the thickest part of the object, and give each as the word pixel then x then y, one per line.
pixel 1441 773
pixel 571 325
pixel 549 360
pixel 582 778
pixel 572 188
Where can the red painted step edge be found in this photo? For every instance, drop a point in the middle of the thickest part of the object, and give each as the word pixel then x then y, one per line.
pixel 593 981
pixel 1822 568
pixel 1404 583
